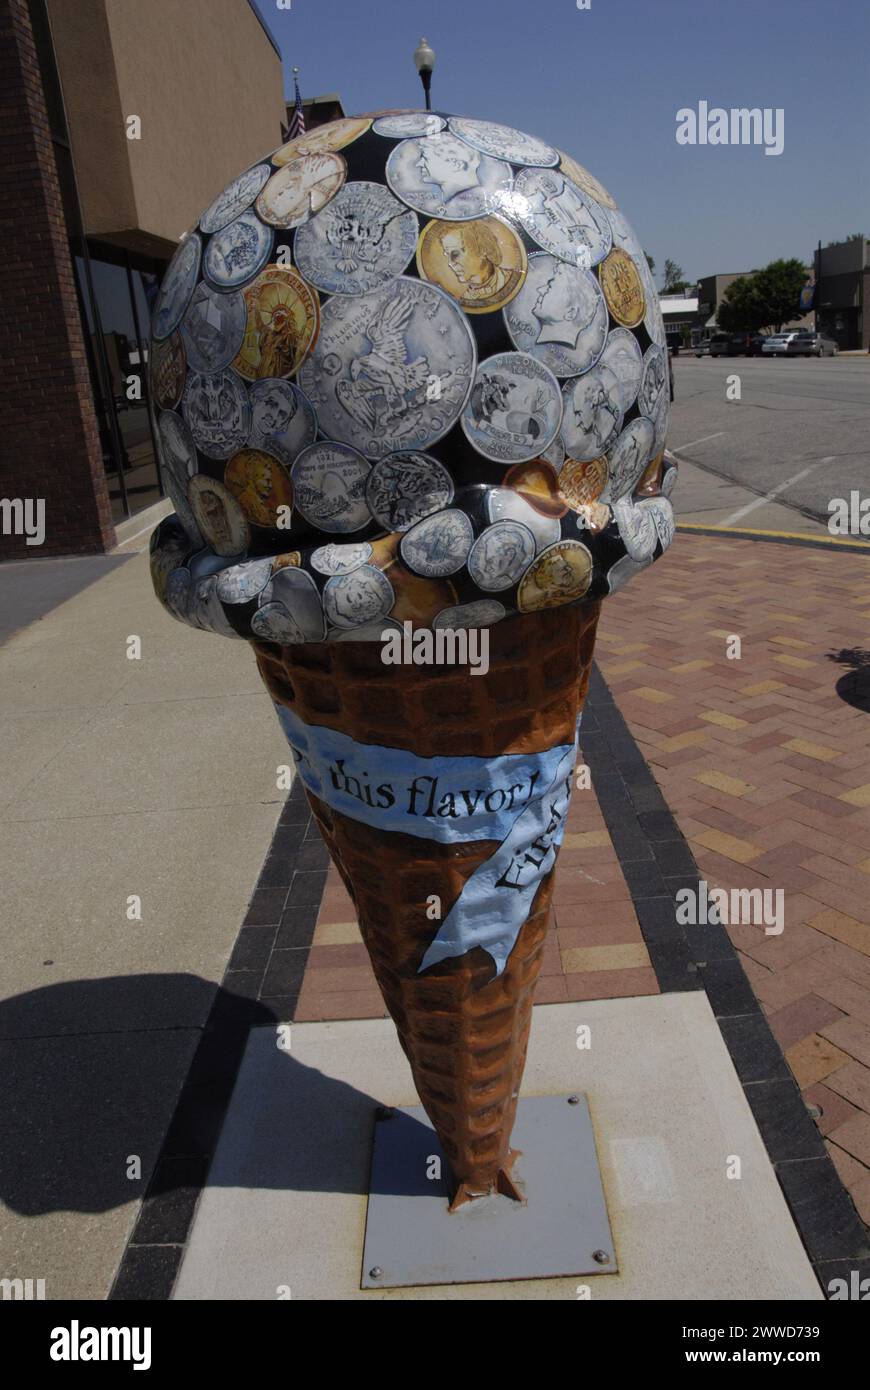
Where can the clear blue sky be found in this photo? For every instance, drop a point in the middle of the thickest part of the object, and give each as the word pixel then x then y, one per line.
pixel 605 84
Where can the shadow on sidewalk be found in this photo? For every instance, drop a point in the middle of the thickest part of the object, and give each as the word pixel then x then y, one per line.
pixel 854 688
pixel 80 1105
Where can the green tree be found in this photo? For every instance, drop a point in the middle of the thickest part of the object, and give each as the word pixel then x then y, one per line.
pixel 764 300
pixel 649 260
pixel 673 275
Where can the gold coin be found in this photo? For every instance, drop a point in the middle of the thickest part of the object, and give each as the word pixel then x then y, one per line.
pixel 259 484
pixel 417 600
pixel 324 139
pixel 283 321
pixel 561 574
pixel 301 188
pixel 539 484
pixel 650 484
pixel 168 370
pixel 622 288
pixel 481 264
pixel 290 557
pixel 582 482
pixel 583 179
pixel 595 515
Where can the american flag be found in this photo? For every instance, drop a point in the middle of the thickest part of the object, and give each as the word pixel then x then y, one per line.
pixel 297 120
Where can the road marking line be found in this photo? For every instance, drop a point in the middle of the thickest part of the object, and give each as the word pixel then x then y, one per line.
pixel 819 538
pixel 692 442
pixel 774 491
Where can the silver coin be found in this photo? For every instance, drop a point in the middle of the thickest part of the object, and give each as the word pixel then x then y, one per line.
pixel 177 466
pixel 555 454
pixel 213 329
pixel 623 234
pixel 205 563
pixel 292 603
pixel 235 199
pixel 622 354
pixel 627 459
pixel 558 216
pixel 217 412
pixel 445 177
pixel 636 528
pixel 660 424
pixel 653 382
pixel 238 253
pixel 501 555
pixel 482 612
pixel 593 413
pixel 505 504
pixel 514 410
pixel 178 593
pixel 407 126
pixel 340 559
pixel 207 610
pixel 669 480
pixel 439 544
pixel 177 287
pixel 404 487
pixel 242 583
pixel 329 487
pixel 623 570
pixel 363 596
pixel 219 516
pixel 282 419
pixel 652 319
pixel 369 632
pixel 559 316
pixel 504 141
pixel 391 369
pixel 360 240
pixel 662 514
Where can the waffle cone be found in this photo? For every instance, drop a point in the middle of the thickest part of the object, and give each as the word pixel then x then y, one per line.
pixel 463 1028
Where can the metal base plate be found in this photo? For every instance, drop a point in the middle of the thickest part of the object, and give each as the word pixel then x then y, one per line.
pixel 563 1229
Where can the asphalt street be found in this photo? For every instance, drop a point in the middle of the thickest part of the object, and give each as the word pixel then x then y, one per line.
pixel 801 427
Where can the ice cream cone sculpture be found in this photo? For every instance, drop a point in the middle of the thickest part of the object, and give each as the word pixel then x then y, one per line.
pixel 411 387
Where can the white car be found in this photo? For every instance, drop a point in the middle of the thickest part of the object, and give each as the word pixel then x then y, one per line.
pixel 778 344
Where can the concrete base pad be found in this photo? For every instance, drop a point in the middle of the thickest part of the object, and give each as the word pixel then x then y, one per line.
pixel 285 1207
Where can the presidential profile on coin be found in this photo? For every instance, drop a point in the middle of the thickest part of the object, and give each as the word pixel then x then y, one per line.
pixel 628 457
pixel 481 264
pixel 560 574
pixel 362 596
pixel 260 485
pixel 514 410
pixel 242 583
pixel 362 238
pixel 561 218
pixel 301 188
pixel 282 418
pixel 446 177
pixel 559 316
pixel 592 415
pixel 501 555
pixel 624 357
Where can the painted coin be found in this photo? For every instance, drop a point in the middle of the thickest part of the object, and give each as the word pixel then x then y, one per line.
pixel 481 264
pixel 213 329
pixel 217 412
pixel 654 381
pixel 282 323
pixel 333 136
pixel 623 570
pixel 340 559
pixel 292 601
pixel 538 481
pixel 177 287
pixel 652 319
pixel 206 609
pixel 514 410
pixel 650 481
pixel 627 458
pixel 404 487
pixel 636 528
pixel 362 239
pixel 166 553
pixel 363 596
pixel 237 254
pixel 242 583
pixel 663 518
pixel 168 369
pixel 623 234
pixel 330 482
pixel 503 141
pixel 177 466
pixel 444 176
pixel 236 198
pixel 561 574
pixel 555 453
pixel 561 218
pixel 178 593
pixel 583 179
pixel 219 515
pixel 622 354
pixel 660 421
pixel 439 544
pixel 482 612
pixel 559 316
pixel 282 419
pixel 583 482
pixel 669 479
pixel 592 415
pixel 391 369
pixel 405 127
pixel 622 287
pixel 301 188
pixel 500 555
pixel 504 504
pixel 594 517
pixel 287 557
pixel 259 484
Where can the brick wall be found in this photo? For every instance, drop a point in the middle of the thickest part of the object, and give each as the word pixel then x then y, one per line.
pixel 49 442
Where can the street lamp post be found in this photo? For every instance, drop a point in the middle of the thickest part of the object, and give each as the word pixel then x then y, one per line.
pixel 424 60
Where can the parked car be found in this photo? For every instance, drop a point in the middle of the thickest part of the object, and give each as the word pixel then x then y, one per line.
pixel 719 345
pixel 780 345
pixel 815 345
pixel 756 344
pixel 702 349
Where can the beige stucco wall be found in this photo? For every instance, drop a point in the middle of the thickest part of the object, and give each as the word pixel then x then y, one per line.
pixel 207 86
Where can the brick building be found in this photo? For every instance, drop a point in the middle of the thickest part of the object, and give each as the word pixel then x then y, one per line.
pixel 93 205
pixel 842 272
